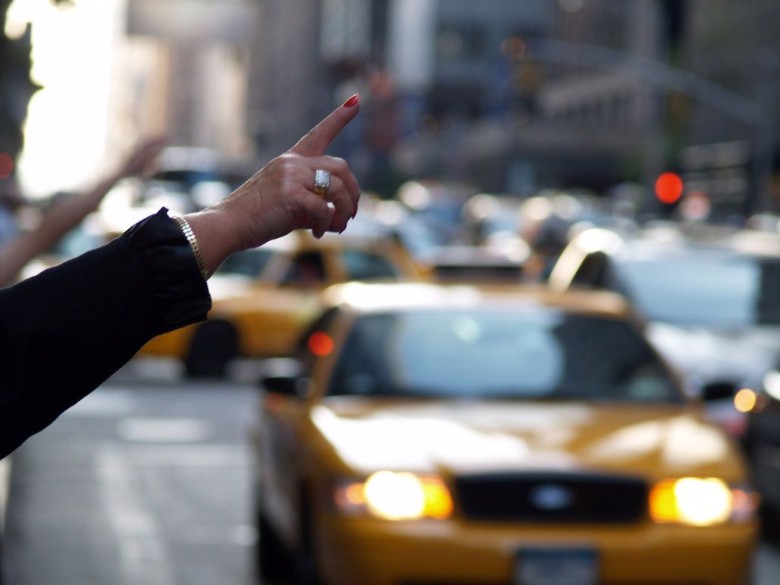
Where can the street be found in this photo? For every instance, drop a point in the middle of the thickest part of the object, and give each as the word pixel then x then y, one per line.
pixel 140 483
pixel 147 482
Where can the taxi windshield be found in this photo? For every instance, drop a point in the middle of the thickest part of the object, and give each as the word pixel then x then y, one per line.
pixel 706 290
pixel 538 354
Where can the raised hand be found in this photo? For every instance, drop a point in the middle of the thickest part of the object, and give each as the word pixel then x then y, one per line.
pixel 143 159
pixel 281 197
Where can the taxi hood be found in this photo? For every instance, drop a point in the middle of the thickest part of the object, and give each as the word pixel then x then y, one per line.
pixel 483 436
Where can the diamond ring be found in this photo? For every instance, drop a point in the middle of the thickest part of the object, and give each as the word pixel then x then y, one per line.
pixel 321 182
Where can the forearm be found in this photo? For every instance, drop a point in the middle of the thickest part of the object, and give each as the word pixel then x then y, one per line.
pixel 65 331
pixel 55 221
pixel 14 255
pixel 66 213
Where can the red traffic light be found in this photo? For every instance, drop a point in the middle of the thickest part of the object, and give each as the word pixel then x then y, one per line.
pixel 669 187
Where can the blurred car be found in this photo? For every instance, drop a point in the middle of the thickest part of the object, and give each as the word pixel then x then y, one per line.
pixel 760 399
pixel 467 263
pixel 264 297
pixel 711 299
pixel 495 254
pixel 548 219
pixel 429 433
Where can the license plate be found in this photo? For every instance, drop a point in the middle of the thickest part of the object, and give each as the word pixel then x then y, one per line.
pixel 556 566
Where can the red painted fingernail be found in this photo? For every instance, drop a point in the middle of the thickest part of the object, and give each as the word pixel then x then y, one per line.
pixel 351 101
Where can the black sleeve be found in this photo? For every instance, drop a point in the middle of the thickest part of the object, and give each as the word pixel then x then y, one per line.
pixel 66 330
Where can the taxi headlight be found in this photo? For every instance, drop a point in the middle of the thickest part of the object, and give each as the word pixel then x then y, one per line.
pixel 395 496
pixel 700 501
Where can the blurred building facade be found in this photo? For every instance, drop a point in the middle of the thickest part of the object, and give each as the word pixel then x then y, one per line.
pixel 452 89
pixel 523 96
pixel 186 69
pixel 730 153
pixel 510 96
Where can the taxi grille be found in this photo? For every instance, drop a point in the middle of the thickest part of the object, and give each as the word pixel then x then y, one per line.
pixel 552 497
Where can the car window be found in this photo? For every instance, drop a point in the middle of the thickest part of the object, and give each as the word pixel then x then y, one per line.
pixel 706 290
pixel 306 269
pixel 362 265
pixel 592 272
pixel 535 354
pixel 247 263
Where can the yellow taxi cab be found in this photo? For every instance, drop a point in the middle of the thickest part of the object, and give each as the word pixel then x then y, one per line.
pixel 448 434
pixel 262 298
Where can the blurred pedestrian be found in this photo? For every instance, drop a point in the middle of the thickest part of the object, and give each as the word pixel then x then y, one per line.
pixel 64 331
pixel 63 214
pixel 11 200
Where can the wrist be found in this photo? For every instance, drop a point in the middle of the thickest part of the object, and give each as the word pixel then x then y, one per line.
pixel 216 236
pixel 188 233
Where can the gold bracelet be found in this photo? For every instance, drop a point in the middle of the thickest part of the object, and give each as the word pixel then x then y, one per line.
pixel 184 225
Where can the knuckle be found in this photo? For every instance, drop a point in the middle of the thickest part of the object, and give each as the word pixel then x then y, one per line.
pixel 340 163
pixel 286 159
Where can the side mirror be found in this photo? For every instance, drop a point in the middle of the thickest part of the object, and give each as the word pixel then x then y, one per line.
pixel 281 375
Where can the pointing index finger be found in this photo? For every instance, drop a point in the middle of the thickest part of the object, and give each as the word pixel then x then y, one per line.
pixel 317 140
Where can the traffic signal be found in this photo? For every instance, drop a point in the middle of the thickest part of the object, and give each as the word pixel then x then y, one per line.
pixel 669 188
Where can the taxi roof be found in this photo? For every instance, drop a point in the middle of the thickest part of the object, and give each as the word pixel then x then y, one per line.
pixel 303 239
pixel 379 297
pixel 675 240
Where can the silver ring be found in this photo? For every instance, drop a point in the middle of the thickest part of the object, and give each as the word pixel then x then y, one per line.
pixel 321 182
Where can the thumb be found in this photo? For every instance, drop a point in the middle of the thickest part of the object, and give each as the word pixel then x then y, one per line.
pixel 317 140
